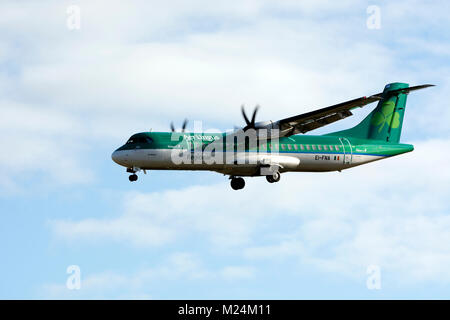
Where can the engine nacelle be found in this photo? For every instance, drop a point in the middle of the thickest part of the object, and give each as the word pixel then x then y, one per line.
pixel 267 130
pixel 284 162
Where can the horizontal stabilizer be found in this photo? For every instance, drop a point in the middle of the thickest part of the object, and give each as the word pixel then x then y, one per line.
pixel 408 90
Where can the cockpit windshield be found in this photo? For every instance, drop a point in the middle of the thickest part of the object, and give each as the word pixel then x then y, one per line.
pixel 139 140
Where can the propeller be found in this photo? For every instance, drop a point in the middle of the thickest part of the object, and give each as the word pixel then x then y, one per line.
pixel 250 124
pixel 183 127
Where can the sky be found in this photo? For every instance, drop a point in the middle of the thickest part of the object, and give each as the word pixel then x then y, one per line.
pixel 77 78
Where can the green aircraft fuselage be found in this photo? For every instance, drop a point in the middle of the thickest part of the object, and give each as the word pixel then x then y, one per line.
pixel 322 153
pixel 376 137
pixel 292 144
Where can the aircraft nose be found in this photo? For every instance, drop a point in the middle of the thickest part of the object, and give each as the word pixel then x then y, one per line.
pixel 119 158
pixel 115 157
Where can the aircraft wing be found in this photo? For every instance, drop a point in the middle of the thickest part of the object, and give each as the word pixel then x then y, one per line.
pixel 315 119
pixel 308 121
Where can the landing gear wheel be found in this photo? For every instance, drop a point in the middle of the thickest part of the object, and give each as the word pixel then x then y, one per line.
pixel 237 183
pixel 275 177
pixel 133 177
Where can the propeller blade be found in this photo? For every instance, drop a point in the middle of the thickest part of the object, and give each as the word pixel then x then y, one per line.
pixel 172 127
pixel 184 125
pixel 254 115
pixel 245 116
pixel 249 124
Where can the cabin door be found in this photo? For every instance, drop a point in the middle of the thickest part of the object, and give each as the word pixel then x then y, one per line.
pixel 347 149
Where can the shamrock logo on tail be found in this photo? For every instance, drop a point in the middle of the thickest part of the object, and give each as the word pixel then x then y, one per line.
pixel 384 117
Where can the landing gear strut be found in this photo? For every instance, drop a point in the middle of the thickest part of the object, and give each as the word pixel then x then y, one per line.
pixel 237 183
pixel 275 177
pixel 133 177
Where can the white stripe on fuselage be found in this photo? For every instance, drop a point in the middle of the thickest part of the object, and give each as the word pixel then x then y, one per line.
pixel 162 159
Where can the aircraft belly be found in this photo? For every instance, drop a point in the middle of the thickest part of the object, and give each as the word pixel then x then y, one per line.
pixel 319 162
pixel 358 159
pixel 163 159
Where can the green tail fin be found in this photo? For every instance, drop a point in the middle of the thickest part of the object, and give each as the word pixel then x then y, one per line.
pixel 386 120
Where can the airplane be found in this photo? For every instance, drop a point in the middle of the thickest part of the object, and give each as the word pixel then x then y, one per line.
pixel 270 148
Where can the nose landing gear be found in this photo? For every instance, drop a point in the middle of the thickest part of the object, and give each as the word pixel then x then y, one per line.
pixel 237 183
pixel 134 176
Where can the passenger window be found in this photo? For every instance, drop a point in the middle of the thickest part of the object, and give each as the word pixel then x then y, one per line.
pixel 314 147
pixel 289 147
pixel 319 147
pixel 307 147
pixel 295 147
pixel 302 147
pixel 331 148
pixel 283 147
pixel 337 148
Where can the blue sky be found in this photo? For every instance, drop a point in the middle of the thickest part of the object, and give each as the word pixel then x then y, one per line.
pixel 68 98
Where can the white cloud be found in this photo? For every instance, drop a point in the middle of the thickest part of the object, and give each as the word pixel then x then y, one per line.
pixel 237 272
pixel 393 213
pixel 43 141
pixel 397 218
pixel 142 284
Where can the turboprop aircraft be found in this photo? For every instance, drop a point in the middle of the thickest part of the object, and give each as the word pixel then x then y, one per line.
pixel 273 147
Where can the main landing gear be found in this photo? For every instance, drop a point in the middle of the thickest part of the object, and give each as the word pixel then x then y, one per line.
pixel 237 183
pixel 133 177
pixel 275 177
